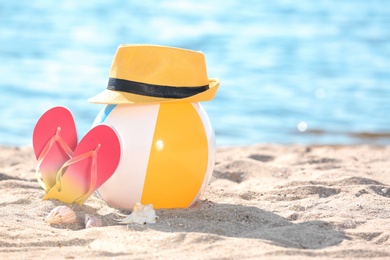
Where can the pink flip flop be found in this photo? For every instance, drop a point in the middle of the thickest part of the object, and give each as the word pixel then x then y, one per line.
pixel 94 161
pixel 54 140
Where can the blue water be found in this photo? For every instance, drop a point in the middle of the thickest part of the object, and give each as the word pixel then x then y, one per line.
pixel 306 71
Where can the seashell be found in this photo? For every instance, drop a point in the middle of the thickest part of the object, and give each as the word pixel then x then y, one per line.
pixel 92 221
pixel 141 214
pixel 61 214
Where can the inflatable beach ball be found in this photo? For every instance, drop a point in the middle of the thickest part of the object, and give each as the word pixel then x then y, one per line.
pixel 167 154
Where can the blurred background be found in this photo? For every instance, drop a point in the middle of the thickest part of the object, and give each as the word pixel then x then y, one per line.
pixel 310 72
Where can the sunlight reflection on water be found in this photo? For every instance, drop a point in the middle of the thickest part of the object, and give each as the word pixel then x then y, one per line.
pixel 281 64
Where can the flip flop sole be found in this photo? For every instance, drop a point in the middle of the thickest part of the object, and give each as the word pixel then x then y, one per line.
pixel 45 129
pixel 78 180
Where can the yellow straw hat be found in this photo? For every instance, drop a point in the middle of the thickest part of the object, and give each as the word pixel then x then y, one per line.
pixel 157 74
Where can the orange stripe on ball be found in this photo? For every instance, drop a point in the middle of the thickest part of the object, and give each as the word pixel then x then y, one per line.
pixel 178 157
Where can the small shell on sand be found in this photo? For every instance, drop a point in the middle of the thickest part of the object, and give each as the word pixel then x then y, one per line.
pixel 61 214
pixel 141 214
pixel 92 221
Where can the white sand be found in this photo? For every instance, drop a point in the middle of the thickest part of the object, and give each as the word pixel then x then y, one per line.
pixel 264 201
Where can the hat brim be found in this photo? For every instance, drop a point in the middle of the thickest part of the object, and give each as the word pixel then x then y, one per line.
pixel 119 97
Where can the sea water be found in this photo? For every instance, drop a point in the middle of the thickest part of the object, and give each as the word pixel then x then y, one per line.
pixel 310 72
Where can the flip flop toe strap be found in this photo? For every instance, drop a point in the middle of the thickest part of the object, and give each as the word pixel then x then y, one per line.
pixel 74 160
pixel 56 138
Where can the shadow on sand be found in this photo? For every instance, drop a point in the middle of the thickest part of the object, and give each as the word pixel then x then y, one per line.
pixel 229 220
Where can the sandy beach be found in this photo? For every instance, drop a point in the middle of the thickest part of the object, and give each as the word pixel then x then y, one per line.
pixel 263 202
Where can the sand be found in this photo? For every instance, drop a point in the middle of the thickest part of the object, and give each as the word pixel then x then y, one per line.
pixel 263 202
